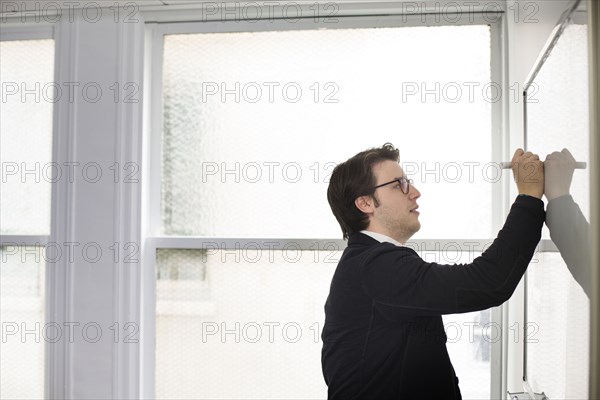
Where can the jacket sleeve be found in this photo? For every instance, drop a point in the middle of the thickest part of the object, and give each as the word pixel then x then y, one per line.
pixel 571 233
pixel 397 277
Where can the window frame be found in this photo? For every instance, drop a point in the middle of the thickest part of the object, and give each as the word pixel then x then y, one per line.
pixel 360 17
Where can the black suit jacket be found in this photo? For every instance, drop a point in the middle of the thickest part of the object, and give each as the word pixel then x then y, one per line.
pixel 383 336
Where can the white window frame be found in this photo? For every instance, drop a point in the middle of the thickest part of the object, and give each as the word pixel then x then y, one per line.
pixel 351 16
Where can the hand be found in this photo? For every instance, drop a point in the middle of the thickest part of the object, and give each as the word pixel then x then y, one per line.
pixel 559 167
pixel 528 172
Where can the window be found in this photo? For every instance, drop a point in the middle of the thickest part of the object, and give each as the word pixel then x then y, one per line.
pixel 264 117
pixel 251 124
pixel 25 152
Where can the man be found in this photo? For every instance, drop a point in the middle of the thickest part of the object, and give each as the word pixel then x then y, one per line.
pixel 383 336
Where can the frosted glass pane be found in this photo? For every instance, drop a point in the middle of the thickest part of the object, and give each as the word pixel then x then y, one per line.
pixel 22 319
pixel 26 141
pixel 255 122
pixel 241 324
pixel 470 338
pixel 470 335
pixel 558 324
pixel 558 108
pixel 246 324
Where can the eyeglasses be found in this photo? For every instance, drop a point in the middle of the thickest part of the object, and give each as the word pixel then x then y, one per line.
pixel 404 184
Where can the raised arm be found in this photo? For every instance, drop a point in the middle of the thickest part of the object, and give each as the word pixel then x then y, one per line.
pixel 399 281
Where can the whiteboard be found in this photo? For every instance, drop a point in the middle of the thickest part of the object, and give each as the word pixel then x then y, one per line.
pixel 556 331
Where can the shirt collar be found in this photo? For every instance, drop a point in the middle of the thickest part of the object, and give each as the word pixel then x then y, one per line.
pixel 381 238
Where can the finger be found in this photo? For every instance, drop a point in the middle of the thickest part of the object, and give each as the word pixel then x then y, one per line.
pixel 528 157
pixel 518 153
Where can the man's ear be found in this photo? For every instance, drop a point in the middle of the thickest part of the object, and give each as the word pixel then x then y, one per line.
pixel 364 204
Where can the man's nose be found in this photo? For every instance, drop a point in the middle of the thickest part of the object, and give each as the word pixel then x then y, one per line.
pixel 414 192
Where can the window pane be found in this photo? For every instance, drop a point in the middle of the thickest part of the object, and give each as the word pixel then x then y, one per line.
pixel 254 123
pixel 22 319
pixel 470 335
pixel 241 324
pixel 246 324
pixel 26 142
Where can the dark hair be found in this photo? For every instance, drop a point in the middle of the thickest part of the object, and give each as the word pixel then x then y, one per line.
pixel 352 179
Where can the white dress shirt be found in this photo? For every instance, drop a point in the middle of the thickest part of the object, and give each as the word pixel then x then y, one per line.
pixel 381 238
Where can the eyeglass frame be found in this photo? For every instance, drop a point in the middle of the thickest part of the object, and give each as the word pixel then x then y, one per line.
pixel 399 180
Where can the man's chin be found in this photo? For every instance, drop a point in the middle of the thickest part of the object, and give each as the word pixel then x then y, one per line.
pixel 414 229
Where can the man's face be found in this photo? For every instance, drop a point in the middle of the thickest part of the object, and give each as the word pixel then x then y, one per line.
pixel 396 211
